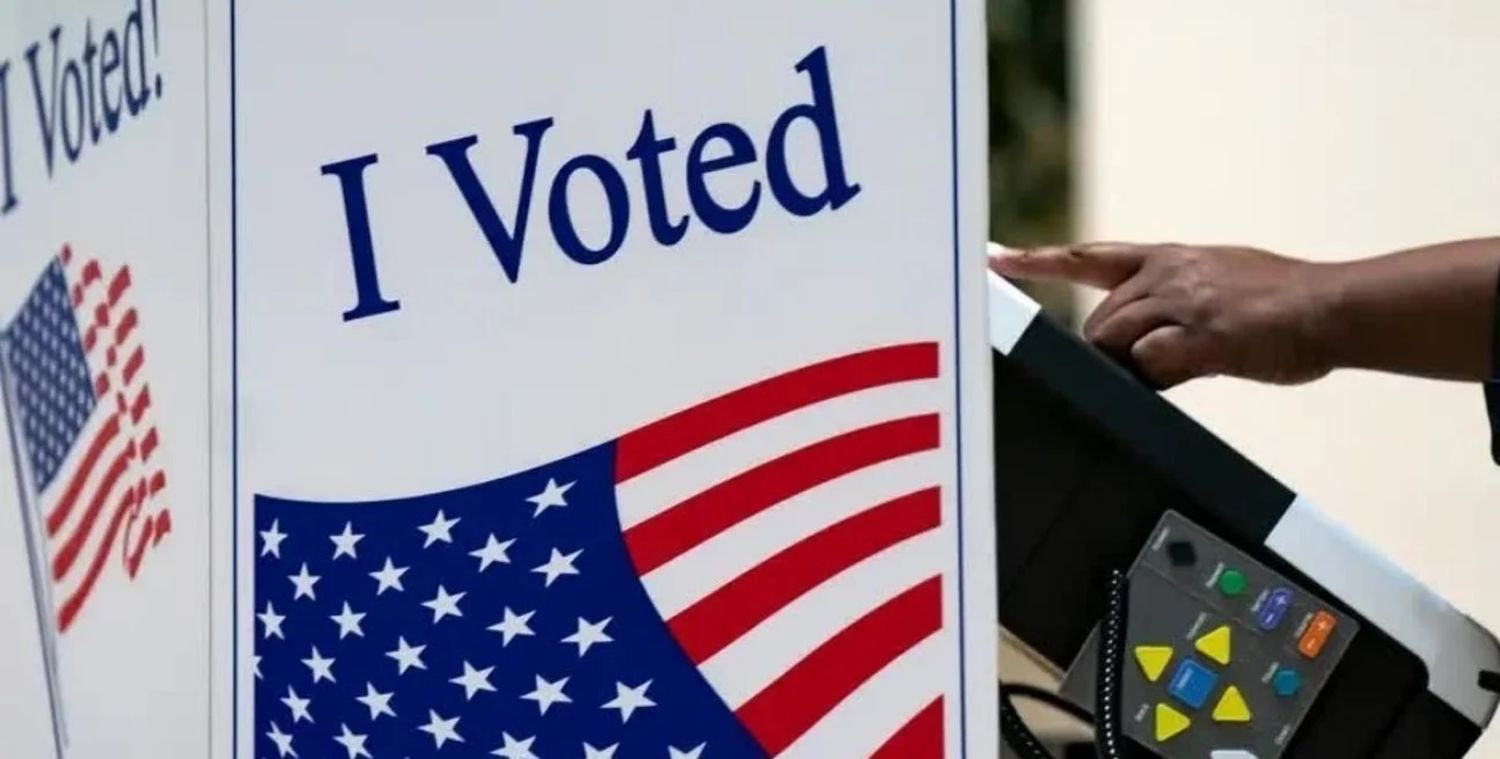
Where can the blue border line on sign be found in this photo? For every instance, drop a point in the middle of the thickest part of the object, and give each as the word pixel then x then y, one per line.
pixel 234 357
pixel 234 397
pixel 958 393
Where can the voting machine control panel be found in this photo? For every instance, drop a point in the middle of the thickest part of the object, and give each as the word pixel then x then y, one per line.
pixel 1224 656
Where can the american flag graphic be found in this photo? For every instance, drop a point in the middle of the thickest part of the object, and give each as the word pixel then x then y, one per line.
pixel 759 575
pixel 72 366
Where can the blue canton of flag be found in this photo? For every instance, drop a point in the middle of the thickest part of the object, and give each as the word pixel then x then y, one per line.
pixel 504 617
pixel 53 386
pixel 759 575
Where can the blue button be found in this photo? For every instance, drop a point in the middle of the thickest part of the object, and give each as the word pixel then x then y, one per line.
pixel 1286 683
pixel 1192 684
pixel 1274 609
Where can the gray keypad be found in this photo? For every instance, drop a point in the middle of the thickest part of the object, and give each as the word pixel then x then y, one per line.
pixel 1224 657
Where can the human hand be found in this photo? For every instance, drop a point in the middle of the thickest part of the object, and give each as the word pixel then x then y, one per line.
pixel 1180 312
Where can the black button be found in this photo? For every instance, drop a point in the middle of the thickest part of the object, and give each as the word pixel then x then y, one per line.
pixel 1182 553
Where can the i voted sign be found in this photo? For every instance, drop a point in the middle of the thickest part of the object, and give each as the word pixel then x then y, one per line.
pixel 606 380
pixel 105 359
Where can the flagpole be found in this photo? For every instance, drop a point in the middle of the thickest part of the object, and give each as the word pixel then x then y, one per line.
pixel 45 618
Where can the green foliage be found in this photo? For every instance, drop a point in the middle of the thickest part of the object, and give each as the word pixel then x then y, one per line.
pixel 1030 137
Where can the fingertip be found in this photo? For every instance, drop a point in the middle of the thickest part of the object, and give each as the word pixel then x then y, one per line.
pixel 1005 261
pixel 997 250
pixel 1006 266
pixel 1025 262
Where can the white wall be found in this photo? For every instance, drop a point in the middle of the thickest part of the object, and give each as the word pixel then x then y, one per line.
pixel 1330 129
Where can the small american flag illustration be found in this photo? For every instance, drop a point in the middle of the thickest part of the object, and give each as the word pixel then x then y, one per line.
pixel 760 575
pixel 72 365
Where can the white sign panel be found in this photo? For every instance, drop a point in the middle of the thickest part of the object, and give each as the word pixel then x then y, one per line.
pixel 104 369
pixel 607 380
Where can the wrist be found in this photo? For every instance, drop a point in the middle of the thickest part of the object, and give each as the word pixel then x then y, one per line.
pixel 1326 316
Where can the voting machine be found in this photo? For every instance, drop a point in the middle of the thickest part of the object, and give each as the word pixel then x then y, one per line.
pixel 1257 627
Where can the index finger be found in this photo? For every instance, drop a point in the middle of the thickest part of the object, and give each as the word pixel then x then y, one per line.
pixel 1103 264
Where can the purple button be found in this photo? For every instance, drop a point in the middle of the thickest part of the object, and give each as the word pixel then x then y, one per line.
pixel 1274 609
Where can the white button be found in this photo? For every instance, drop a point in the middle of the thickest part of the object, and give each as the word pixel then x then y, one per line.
pixel 1231 754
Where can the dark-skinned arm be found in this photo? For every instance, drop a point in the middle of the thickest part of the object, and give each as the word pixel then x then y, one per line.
pixel 1179 312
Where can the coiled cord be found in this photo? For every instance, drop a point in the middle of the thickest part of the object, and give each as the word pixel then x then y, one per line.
pixel 1110 678
pixel 1107 691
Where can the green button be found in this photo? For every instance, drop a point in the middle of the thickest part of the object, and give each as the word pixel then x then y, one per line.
pixel 1232 582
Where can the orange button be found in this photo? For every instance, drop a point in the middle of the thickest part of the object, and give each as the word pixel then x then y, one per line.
pixel 1316 635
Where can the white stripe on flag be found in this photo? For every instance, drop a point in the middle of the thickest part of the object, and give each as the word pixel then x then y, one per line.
pixel 675 481
pixel 685 580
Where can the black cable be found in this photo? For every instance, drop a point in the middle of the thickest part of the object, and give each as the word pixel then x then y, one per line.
pixel 1016 733
pixel 1109 682
pixel 1041 695
pixel 1110 672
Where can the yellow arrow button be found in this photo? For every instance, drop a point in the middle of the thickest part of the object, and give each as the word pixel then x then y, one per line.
pixel 1232 707
pixel 1215 645
pixel 1170 722
pixel 1153 660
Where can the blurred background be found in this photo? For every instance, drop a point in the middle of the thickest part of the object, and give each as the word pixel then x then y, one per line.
pixel 1328 130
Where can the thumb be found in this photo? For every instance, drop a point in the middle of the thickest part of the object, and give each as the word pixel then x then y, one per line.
pixel 1103 265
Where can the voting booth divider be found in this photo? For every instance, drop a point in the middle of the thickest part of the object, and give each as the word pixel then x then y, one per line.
pixel 607 380
pixel 105 455
pixel 602 381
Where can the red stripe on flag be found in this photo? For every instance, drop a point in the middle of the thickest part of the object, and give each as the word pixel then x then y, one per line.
pixel 80 534
pixel 151 532
pixel 69 497
pixel 101 385
pixel 127 325
pixel 158 482
pixel 101 316
pixel 143 540
pixel 133 364
pixel 66 255
pixel 74 603
pixel 655 444
pixel 86 278
pixel 673 532
pixel 794 702
pixel 163 525
pixel 722 617
pixel 142 402
pixel 148 444
pixel 90 337
pixel 921 738
pixel 118 285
